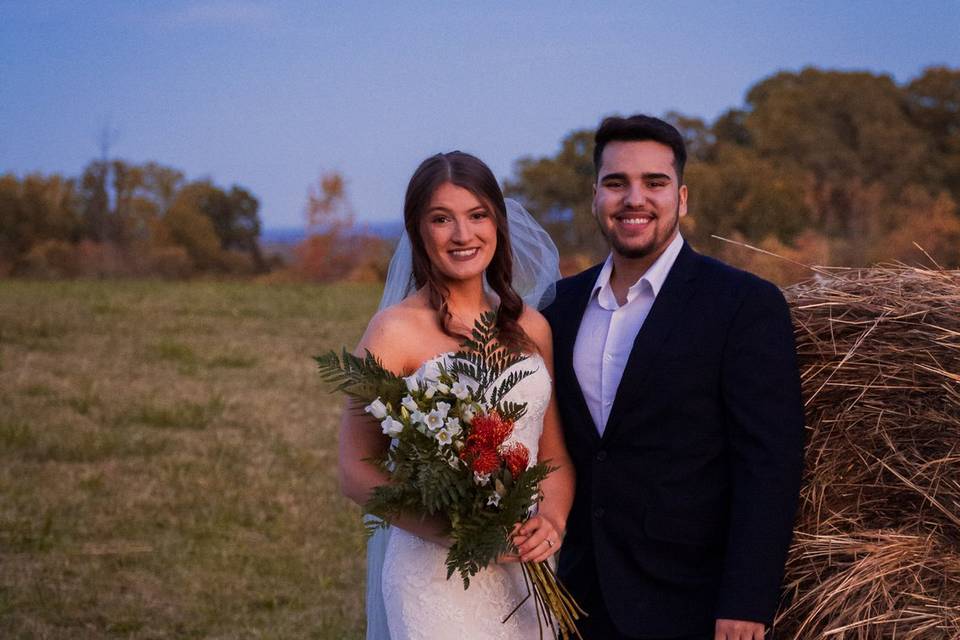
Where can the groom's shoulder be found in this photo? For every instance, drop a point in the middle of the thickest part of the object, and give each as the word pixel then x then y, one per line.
pixel 723 277
pixel 578 280
pixel 570 286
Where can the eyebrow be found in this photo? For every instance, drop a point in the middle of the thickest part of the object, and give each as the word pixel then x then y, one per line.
pixel 645 176
pixel 443 209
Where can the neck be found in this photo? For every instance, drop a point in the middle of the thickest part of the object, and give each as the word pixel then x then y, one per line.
pixel 466 301
pixel 627 271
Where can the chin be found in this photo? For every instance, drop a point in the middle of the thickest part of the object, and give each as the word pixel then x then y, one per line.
pixel 631 251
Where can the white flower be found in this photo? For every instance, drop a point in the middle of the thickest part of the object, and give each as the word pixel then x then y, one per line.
pixel 377 409
pixel 431 371
pixel 413 384
pixel 417 417
pixel 409 403
pixel 453 461
pixel 461 390
pixel 467 414
pixel 434 420
pixel 481 479
pixel 431 390
pixel 442 388
pixel 494 499
pixel 443 437
pixel 443 408
pixel 391 427
pixel 453 426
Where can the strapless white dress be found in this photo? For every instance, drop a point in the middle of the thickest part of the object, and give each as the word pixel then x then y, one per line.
pixel 421 604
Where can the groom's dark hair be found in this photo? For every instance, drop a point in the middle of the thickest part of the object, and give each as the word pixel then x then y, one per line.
pixel 637 128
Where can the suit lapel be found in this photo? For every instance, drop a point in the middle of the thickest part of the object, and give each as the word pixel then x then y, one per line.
pixel 666 309
pixel 571 314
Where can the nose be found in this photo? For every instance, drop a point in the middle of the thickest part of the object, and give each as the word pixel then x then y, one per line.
pixel 461 232
pixel 634 197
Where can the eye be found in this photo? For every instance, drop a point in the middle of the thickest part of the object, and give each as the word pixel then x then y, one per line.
pixel 479 215
pixel 613 184
pixel 656 184
pixel 439 219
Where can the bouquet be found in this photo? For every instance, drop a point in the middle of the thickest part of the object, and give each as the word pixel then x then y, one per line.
pixel 450 423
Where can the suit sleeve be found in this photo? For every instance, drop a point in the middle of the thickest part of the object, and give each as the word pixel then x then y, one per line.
pixel 763 413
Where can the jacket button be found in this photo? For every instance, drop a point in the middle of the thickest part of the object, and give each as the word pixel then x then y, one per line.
pixel 598 512
pixel 601 456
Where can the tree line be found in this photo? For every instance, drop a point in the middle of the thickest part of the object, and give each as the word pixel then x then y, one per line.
pixel 821 167
pixel 120 218
pixel 818 166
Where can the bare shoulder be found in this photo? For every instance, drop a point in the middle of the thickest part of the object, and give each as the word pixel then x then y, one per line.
pixel 388 335
pixel 537 328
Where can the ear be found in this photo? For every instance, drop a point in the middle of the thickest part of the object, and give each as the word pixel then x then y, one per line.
pixel 682 202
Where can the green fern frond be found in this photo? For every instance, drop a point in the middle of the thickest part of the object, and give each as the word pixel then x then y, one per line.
pixel 362 378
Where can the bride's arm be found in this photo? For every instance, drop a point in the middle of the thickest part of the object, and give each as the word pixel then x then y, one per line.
pixel 550 523
pixel 361 439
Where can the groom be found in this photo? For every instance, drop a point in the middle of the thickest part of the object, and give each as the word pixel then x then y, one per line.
pixel 677 384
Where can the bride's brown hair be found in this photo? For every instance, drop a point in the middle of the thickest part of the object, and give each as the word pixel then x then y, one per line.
pixel 470 173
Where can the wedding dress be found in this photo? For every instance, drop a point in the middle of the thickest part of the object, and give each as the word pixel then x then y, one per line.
pixel 421 604
pixel 407 594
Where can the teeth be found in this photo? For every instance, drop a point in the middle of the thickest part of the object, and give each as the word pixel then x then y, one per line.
pixel 464 252
pixel 635 220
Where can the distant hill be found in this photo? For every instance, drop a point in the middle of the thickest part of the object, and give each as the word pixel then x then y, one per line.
pixel 388 230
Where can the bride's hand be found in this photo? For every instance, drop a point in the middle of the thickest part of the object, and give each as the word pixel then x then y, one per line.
pixel 536 539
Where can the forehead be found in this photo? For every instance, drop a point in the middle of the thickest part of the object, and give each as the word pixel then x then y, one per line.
pixel 450 196
pixel 634 157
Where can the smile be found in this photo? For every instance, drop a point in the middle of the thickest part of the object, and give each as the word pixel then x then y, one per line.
pixel 634 220
pixel 464 254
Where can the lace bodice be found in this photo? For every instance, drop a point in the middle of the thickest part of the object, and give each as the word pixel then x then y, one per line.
pixel 421 603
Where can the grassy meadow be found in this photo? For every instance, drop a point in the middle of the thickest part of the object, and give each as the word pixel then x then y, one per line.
pixel 168 461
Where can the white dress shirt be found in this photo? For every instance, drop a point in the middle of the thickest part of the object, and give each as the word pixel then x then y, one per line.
pixel 607 331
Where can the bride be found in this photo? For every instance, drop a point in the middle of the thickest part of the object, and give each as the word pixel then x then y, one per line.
pixel 462 255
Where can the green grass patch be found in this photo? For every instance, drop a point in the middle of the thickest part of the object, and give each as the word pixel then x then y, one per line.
pixel 174 352
pixel 15 435
pixel 232 361
pixel 38 391
pixel 180 415
pixel 91 446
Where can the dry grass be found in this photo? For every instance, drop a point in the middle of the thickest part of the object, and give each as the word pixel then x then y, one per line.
pixel 877 549
pixel 167 462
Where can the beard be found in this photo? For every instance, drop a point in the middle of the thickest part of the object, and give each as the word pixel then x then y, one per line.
pixel 637 252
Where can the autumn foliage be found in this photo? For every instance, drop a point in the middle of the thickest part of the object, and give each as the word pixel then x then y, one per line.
pixel 819 167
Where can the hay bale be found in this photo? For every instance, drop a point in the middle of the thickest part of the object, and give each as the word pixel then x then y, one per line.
pixel 876 552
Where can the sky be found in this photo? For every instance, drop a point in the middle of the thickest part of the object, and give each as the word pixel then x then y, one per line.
pixel 269 95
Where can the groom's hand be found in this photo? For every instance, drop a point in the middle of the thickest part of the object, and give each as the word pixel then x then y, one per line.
pixel 738 630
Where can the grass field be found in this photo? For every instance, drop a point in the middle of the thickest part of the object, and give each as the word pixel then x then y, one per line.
pixel 168 462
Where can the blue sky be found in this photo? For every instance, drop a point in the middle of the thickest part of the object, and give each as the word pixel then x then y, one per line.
pixel 270 94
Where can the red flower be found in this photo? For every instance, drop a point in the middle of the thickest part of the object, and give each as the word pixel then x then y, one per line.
pixel 488 431
pixel 485 461
pixel 517 456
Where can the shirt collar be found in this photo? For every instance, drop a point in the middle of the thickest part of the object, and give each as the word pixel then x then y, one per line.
pixel 652 279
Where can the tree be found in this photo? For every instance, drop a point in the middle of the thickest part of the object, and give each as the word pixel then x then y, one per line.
pixel 933 103
pixel 33 210
pixel 233 215
pixel 325 254
pixel 558 191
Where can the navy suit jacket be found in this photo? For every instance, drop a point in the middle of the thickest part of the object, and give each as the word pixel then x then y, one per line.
pixel 685 506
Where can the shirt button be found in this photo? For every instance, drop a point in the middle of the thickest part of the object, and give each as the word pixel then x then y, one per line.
pixel 598 513
pixel 601 456
pixel 606 357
